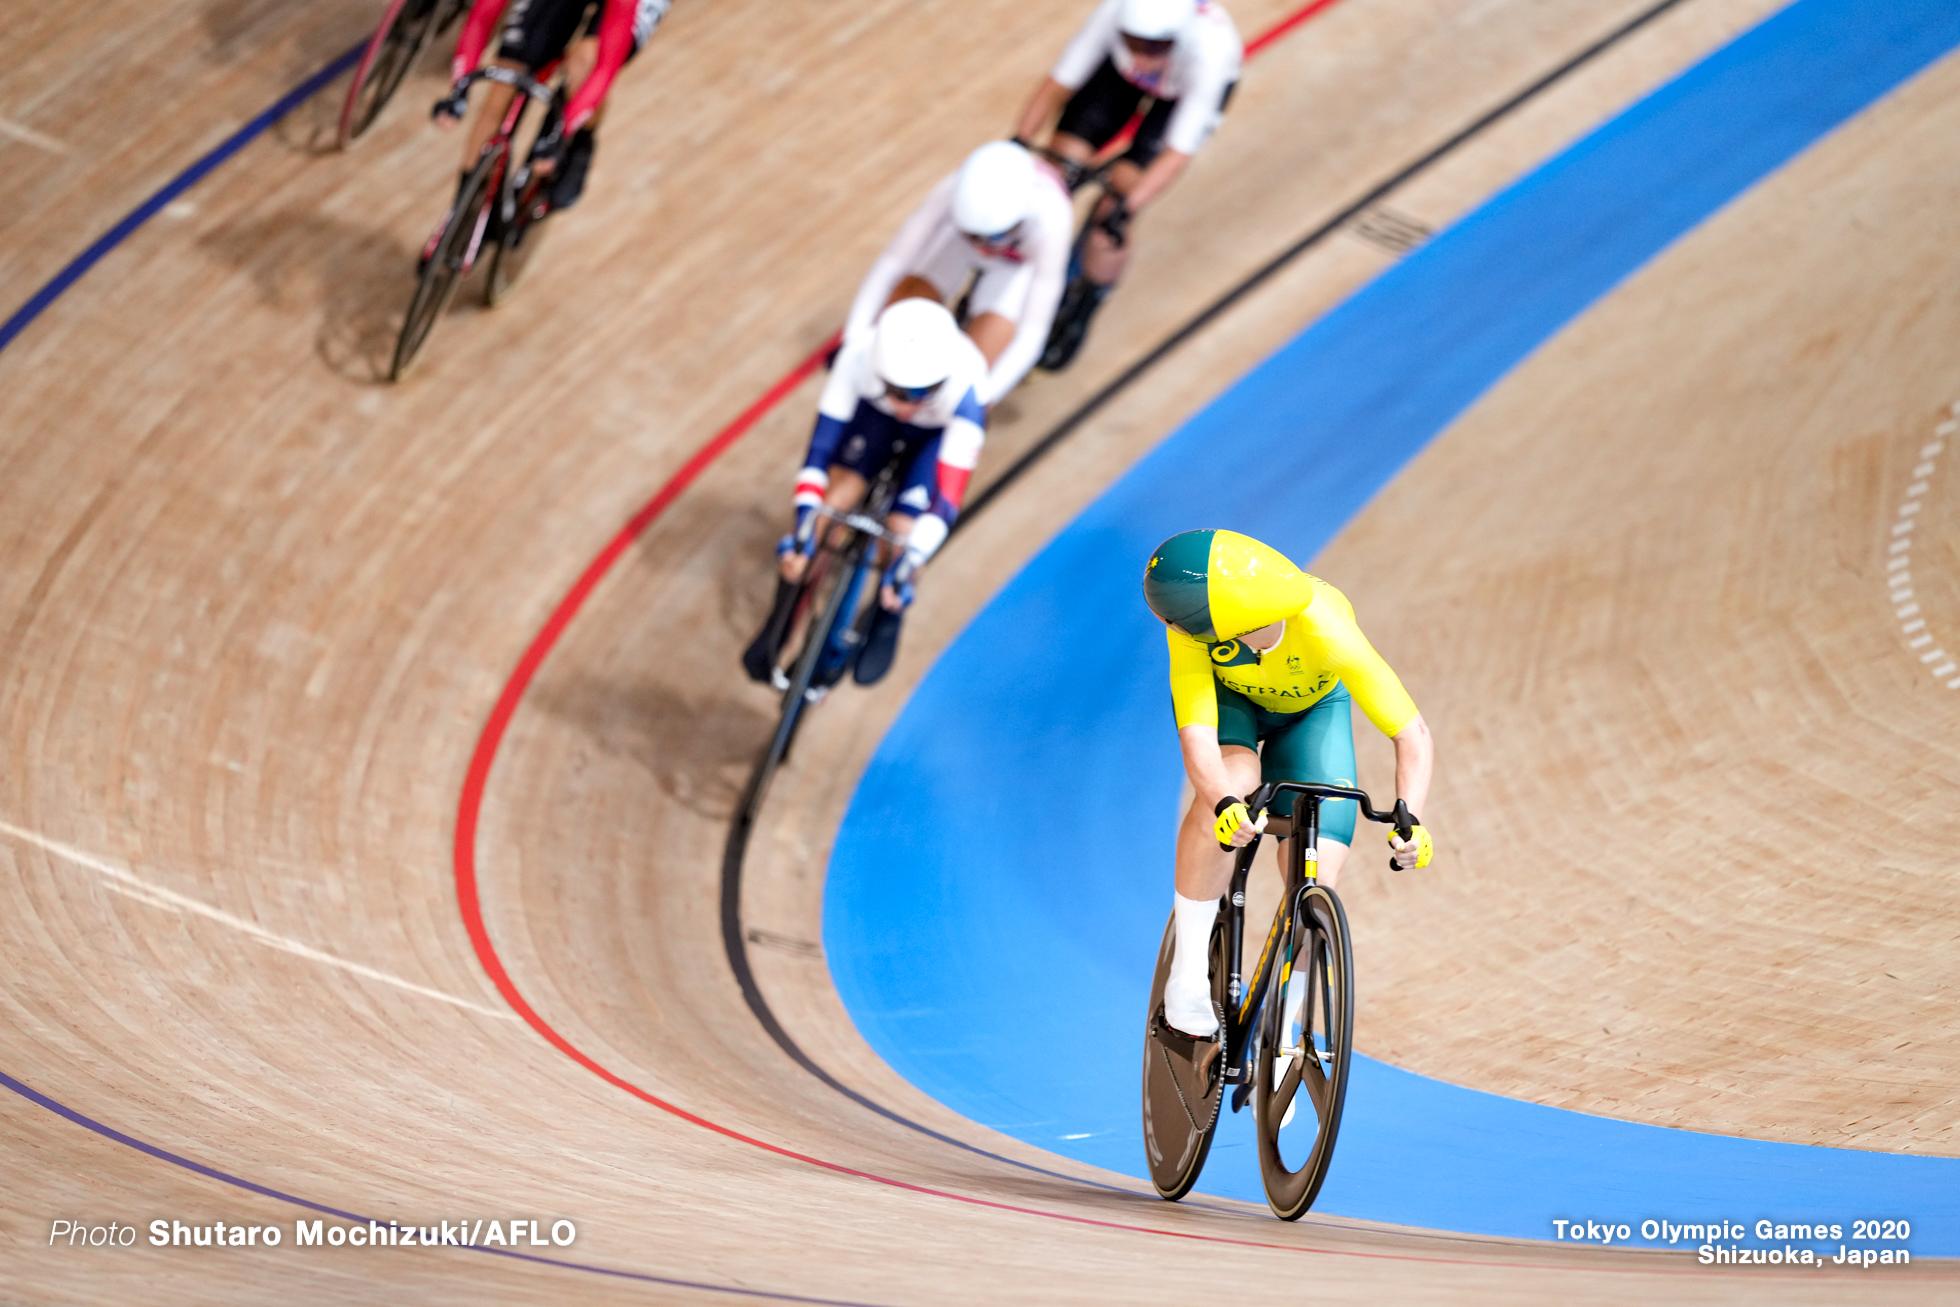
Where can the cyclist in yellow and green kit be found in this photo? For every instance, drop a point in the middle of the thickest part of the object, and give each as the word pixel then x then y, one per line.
pixel 1265 660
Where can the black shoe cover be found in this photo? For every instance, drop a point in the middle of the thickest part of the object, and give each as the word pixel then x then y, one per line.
pixel 1079 303
pixel 880 647
pixel 569 184
pixel 759 659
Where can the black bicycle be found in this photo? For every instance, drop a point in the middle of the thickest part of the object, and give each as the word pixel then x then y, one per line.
pixel 1291 1029
pixel 1079 298
pixel 404 31
pixel 818 626
pixel 496 204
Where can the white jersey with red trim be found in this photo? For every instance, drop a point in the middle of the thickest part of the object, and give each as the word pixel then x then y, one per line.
pixel 1205 60
pixel 1021 279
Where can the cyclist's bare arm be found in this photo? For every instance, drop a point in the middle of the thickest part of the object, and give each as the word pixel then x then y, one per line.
pixel 1155 179
pixel 880 286
pixel 1203 869
pixel 1415 763
pixel 1043 107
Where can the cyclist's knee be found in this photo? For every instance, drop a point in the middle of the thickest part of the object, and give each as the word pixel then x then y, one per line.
pixel 991 333
pixel 914 287
pixel 846 487
pixel 1333 856
pixel 1242 766
pixel 1071 146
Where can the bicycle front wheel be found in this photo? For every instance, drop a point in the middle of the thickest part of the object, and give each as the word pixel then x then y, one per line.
pixel 1306 1047
pixel 404 31
pixel 515 246
pixel 446 264
pixel 1183 1080
pixel 825 607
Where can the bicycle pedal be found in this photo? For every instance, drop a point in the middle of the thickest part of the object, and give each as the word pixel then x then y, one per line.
pixel 1240 1095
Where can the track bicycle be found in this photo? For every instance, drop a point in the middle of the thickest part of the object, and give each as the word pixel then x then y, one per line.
pixel 405 30
pixel 496 204
pixel 1289 1031
pixel 1078 305
pixel 818 628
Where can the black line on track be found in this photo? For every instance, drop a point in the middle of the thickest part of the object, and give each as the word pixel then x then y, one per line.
pixel 744 822
pixel 1094 404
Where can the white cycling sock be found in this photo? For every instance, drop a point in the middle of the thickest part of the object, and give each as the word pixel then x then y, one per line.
pixel 1187 990
pixel 1191 959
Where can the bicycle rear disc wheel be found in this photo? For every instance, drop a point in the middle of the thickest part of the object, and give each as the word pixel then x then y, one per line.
pixel 1183 1080
pixel 382 69
pixel 1305 1053
pixel 445 266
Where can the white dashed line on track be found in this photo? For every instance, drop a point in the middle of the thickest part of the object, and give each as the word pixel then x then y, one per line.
pixel 125 882
pixel 1898 567
pixel 28 136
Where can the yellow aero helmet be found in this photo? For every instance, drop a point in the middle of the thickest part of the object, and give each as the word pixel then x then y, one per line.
pixel 1218 585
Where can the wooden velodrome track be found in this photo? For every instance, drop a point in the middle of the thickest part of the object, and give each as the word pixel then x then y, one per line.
pixel 257 608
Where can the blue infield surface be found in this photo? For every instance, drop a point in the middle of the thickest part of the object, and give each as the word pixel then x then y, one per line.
pixel 997 951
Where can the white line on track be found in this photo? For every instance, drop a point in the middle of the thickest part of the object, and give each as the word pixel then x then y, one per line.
pixel 28 136
pixel 1898 567
pixel 128 883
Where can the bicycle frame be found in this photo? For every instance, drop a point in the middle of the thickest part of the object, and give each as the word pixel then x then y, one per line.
pixel 867 521
pixel 506 181
pixel 1300 850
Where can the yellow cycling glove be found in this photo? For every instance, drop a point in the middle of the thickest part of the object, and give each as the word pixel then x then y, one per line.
pixel 1419 837
pixel 1232 814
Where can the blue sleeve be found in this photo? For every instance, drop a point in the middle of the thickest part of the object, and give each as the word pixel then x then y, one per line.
pixel 824 439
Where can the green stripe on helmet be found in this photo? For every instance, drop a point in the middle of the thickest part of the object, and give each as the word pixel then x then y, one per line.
pixel 1176 584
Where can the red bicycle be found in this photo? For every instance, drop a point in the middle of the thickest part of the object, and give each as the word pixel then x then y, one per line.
pixel 405 31
pixel 496 204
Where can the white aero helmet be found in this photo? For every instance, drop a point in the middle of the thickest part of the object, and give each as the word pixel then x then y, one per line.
pixel 914 348
pixel 995 189
pixel 1154 20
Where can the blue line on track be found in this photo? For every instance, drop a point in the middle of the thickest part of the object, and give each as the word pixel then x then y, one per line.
pixel 418 1218
pixel 991 927
pixel 176 186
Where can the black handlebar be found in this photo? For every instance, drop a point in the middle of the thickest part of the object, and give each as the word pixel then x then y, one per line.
pixel 511 77
pixel 1075 173
pixel 1399 816
pixel 457 102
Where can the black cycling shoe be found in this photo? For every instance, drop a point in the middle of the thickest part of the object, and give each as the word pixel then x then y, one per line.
pixel 569 184
pixel 880 648
pixel 759 659
pixel 1079 303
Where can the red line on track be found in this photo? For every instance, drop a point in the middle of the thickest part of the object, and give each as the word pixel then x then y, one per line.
pixel 470 805
pixel 1285 25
